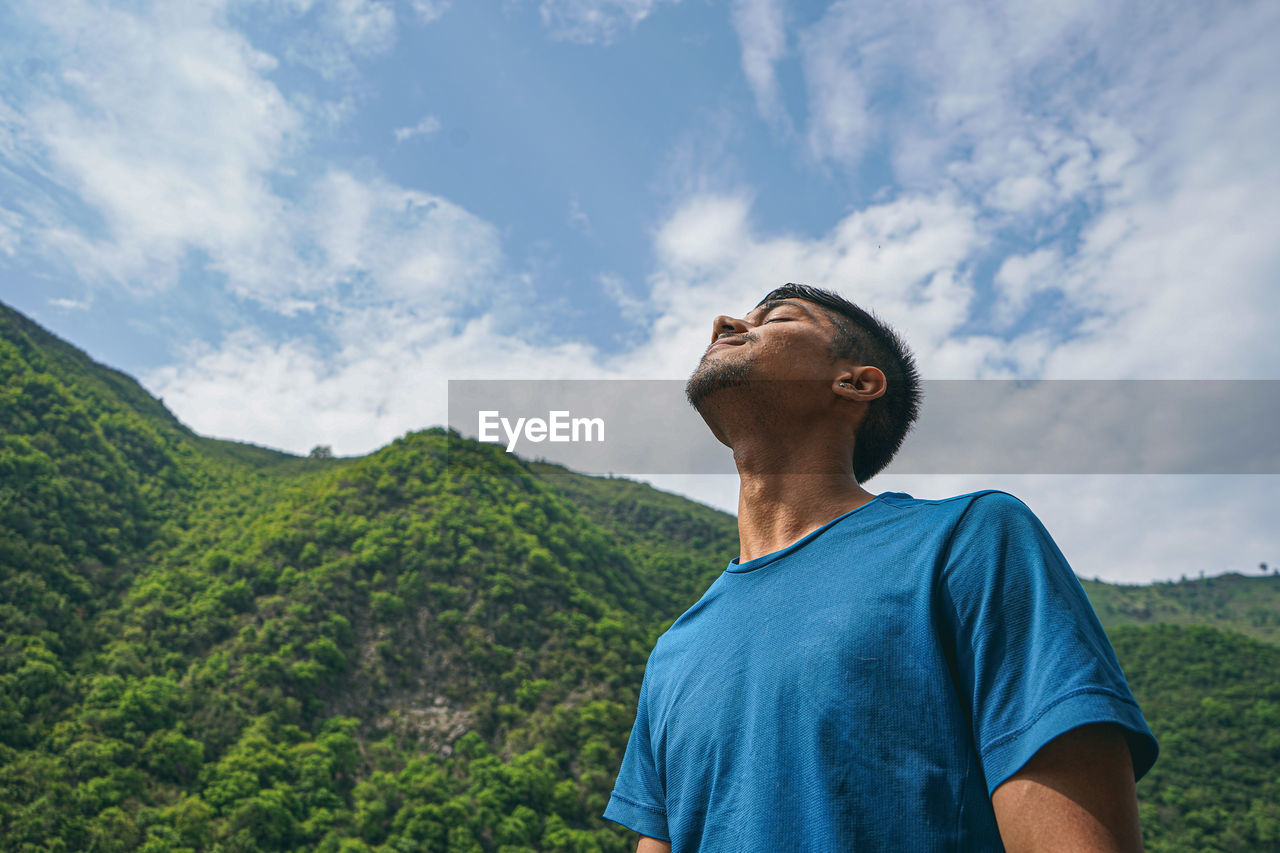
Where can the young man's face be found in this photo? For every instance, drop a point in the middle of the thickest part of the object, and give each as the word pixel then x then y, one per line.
pixel 784 339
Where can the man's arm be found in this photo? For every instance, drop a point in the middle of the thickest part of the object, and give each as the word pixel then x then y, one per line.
pixel 652 845
pixel 1075 794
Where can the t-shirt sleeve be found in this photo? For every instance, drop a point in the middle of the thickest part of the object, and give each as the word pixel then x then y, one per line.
pixel 638 801
pixel 1031 659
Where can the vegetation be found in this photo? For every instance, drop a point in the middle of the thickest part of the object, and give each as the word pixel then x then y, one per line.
pixel 1246 604
pixel 214 646
pixel 1212 699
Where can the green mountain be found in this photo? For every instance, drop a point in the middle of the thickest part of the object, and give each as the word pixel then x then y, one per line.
pixel 1249 605
pixel 207 645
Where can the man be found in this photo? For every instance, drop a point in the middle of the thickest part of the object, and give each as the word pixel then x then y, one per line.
pixel 873 672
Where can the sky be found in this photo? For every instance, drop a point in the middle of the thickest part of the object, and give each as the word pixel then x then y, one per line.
pixel 296 220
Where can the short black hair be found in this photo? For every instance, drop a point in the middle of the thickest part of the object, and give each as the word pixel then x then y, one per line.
pixel 868 340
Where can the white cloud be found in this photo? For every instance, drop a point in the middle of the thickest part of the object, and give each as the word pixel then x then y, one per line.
pixel 1020 194
pixel 388 376
pixel 1000 96
pixel 705 232
pixel 429 10
pixel 762 32
pixel 70 304
pixel 168 129
pixel 615 287
pixel 1178 267
pixel 385 242
pixel 594 21
pixel 841 126
pixel 367 26
pixel 1157 149
pixel 427 126
pixel 338 33
pixel 1019 278
pixel 1182 288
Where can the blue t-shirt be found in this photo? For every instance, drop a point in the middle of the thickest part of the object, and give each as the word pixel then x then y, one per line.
pixel 868 686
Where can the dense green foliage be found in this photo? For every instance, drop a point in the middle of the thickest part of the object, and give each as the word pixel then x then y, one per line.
pixel 1212 699
pixel 210 646
pixel 214 646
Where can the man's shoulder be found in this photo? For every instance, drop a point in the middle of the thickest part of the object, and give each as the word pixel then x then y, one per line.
pixel 983 503
pixel 982 518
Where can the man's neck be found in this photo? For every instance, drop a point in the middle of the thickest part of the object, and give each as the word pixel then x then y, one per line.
pixel 785 494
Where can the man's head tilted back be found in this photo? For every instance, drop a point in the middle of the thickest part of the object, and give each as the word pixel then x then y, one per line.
pixel 802 333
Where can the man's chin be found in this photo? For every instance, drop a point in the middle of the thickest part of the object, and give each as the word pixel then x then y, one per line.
pixel 712 377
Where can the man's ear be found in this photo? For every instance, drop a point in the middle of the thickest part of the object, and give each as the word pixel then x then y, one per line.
pixel 862 382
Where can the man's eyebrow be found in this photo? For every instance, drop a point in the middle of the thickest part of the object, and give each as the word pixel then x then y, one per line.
pixel 766 307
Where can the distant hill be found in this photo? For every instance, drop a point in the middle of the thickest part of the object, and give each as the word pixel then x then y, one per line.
pixel 206 645
pixel 1248 605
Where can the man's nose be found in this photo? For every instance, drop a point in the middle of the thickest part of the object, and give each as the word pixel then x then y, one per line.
pixel 726 325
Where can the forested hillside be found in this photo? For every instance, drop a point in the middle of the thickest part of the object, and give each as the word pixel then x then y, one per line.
pixel 1213 700
pixel 1248 605
pixel 213 646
